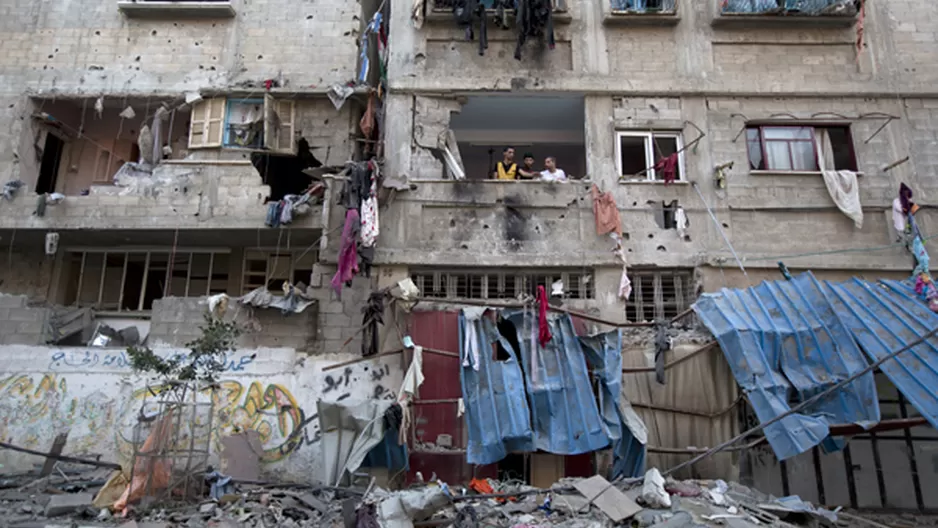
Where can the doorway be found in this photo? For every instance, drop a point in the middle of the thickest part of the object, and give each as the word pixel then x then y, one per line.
pixel 49 166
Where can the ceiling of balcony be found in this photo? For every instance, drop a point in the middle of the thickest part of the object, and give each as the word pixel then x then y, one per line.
pixel 520 113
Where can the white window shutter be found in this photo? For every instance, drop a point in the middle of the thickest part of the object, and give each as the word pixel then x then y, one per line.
pixel 279 127
pixel 206 127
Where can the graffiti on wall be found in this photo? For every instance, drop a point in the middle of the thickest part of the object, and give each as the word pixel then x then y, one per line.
pixel 117 359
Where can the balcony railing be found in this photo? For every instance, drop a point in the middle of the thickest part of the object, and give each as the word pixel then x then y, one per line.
pixel 644 6
pixel 846 8
pixel 447 5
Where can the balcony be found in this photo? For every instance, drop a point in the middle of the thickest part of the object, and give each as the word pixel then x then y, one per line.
pixel 820 13
pixel 442 10
pixel 176 8
pixel 642 12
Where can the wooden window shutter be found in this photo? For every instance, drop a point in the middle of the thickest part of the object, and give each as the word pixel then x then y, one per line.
pixel 206 127
pixel 279 125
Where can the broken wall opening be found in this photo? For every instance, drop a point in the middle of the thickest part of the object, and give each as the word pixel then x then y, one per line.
pixel 539 126
pixel 80 143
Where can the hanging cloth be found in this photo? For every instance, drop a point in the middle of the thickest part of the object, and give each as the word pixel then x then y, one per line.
pixel 606 213
pixel 543 331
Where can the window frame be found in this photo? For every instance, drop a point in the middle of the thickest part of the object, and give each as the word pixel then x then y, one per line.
pixel 273 114
pixel 83 253
pixel 817 147
pixel 659 308
pixel 649 136
pixel 272 255
pixel 498 282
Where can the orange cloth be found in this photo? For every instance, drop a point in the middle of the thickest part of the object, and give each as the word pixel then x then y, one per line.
pixel 151 473
pixel 606 213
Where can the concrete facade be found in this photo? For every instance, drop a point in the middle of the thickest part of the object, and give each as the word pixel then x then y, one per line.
pixel 690 73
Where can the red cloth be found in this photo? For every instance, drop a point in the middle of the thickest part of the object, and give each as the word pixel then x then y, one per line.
pixel 668 168
pixel 543 331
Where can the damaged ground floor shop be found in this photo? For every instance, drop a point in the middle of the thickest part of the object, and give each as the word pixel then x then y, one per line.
pixel 509 401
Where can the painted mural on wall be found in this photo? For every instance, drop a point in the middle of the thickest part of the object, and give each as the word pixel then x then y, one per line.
pixel 281 408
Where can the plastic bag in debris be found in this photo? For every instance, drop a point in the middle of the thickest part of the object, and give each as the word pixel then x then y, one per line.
pixel 718 493
pixel 402 509
pixel 653 492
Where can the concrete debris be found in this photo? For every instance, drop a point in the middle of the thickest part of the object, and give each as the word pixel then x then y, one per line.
pixel 569 503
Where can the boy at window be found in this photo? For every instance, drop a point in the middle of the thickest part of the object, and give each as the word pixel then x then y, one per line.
pixel 552 173
pixel 528 170
pixel 506 169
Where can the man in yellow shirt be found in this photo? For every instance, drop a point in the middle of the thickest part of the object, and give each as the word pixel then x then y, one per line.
pixel 506 169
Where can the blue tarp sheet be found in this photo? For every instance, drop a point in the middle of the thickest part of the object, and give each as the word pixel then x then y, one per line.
pixel 564 413
pixel 604 355
pixel 497 414
pixel 793 339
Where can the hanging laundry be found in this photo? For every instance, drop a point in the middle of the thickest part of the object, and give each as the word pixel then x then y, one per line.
pixel 373 315
pixel 625 285
pixel 373 27
pixel 898 217
pixel 535 20
pixel 347 263
pixel 921 256
pixel 466 12
pixel 416 13
pixel 905 198
pixel 845 191
pixel 668 168
pixel 606 213
pixel 470 339
pixel 273 214
pixel 543 331
pixel 680 222
pixel 369 215
pixel 367 122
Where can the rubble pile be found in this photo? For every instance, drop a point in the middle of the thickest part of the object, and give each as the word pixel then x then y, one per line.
pixel 67 499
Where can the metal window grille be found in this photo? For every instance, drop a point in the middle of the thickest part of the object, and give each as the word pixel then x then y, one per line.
pixel 128 281
pixel 644 6
pixel 801 7
pixel 458 284
pixel 660 294
pixel 272 268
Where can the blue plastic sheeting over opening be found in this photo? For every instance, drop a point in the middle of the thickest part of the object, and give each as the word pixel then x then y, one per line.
pixel 786 338
pixel 564 413
pixel 497 415
pixel 604 354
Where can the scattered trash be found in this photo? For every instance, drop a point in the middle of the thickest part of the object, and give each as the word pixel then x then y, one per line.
pixel 653 492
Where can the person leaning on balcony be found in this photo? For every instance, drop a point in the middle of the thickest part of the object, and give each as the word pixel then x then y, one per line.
pixel 527 171
pixel 552 173
pixel 506 169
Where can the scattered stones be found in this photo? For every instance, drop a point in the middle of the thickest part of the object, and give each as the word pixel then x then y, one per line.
pixel 68 503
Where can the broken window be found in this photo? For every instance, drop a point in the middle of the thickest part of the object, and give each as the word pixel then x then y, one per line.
pixel 272 268
pixel 533 127
pixel 660 294
pixel 122 281
pixel 644 6
pixel 51 158
pixel 800 148
pixel 458 284
pixel 257 124
pixel 638 152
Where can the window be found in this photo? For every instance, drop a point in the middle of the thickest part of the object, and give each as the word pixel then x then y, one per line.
pixel 447 5
pixel 272 268
pixel 795 7
pixel 644 6
pixel 638 152
pixel 800 148
pixel 176 8
pixel 660 294
pixel 507 285
pixel 123 281
pixel 257 124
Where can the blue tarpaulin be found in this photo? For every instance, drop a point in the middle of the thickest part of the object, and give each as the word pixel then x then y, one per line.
pixel 604 355
pixel 497 416
pixel 564 413
pixel 790 340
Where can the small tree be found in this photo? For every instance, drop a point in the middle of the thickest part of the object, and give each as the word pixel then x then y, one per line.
pixel 206 358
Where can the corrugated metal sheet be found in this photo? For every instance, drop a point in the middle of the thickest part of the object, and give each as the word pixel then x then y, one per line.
pixel 497 416
pixel 783 338
pixel 565 416
pixel 604 354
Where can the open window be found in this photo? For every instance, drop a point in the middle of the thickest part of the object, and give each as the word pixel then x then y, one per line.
pixel 637 153
pixel 542 127
pixel 272 268
pixel 248 123
pixel 800 148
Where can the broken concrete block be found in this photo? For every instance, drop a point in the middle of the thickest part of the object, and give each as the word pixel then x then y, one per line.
pixel 67 503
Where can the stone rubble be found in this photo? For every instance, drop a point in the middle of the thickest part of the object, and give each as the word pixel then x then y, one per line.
pixel 26 502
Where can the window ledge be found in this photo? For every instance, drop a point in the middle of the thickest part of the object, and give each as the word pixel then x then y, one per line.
pixel 788 173
pixel 752 20
pixel 171 8
pixel 652 182
pixel 501 182
pixel 641 18
pixel 445 16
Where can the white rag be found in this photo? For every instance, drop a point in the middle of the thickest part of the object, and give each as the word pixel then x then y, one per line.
pixel 898 217
pixel 417 13
pixel 471 338
pixel 844 190
pixel 413 379
pixel 625 285
pixel 680 222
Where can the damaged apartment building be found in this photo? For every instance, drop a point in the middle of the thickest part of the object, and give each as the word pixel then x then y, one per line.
pixel 641 183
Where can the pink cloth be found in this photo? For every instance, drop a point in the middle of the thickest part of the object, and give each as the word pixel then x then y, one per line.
pixel 606 213
pixel 668 168
pixel 348 254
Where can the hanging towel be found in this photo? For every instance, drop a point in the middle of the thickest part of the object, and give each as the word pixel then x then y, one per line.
pixel 680 222
pixel 543 331
pixel 470 337
pixel 844 190
pixel 898 217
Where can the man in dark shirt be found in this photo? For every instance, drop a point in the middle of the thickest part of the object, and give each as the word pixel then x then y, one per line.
pixel 527 171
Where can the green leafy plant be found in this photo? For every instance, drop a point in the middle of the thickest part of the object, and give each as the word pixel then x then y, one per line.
pixel 205 360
